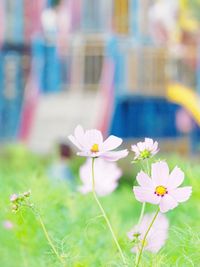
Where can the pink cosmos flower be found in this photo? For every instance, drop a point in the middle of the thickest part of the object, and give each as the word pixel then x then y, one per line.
pixel 146 149
pixel 162 189
pixel 91 144
pixel 107 175
pixel 156 237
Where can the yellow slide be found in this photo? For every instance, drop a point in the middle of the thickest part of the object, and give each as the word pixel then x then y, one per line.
pixel 185 97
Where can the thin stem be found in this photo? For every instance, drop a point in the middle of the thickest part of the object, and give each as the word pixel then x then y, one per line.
pixel 142 212
pixel 139 221
pixel 49 240
pixel 38 216
pixel 105 216
pixel 147 167
pixel 144 204
pixel 145 236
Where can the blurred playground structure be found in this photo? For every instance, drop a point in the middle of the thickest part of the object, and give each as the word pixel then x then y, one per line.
pixel 127 67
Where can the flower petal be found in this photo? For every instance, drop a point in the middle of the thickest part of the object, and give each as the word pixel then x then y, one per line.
pixel 156 240
pixel 74 141
pixel 106 177
pixel 167 203
pixel 144 180
pixel 114 155
pixel 146 194
pixel 141 146
pixel 155 147
pixel 78 138
pixel 160 173
pixel 79 133
pixel 87 154
pixel 148 143
pixel 92 137
pixel 106 190
pixel 135 149
pixel 176 178
pixel 84 189
pixel 181 194
pixel 111 143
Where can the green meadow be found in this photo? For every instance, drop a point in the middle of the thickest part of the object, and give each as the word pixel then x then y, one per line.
pixel 74 223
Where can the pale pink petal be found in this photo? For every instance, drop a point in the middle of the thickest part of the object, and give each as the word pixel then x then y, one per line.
pixel 74 141
pixel 106 190
pixel 148 143
pixel 176 178
pixel 155 147
pixel 84 189
pixel 141 146
pixel 156 240
pixel 111 143
pixel 181 194
pixel 114 155
pixel 135 149
pixel 131 233
pixel 144 180
pixel 157 235
pixel 160 173
pixel 92 137
pixel 106 176
pixel 146 194
pixel 167 203
pixel 87 154
pixel 85 172
pixel 79 133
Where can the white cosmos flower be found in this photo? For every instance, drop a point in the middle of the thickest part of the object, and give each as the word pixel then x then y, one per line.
pixel 107 175
pixel 146 149
pixel 156 237
pixel 91 144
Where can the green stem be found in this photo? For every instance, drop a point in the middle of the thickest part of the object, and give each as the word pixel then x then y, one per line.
pixel 38 216
pixel 139 221
pixel 145 236
pixel 147 167
pixel 49 240
pixel 142 212
pixel 105 216
pixel 144 204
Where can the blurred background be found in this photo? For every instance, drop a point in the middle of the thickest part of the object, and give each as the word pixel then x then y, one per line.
pixel 127 67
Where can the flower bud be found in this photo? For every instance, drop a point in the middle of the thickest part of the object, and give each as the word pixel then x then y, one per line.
pixel 27 193
pixel 14 197
pixel 15 207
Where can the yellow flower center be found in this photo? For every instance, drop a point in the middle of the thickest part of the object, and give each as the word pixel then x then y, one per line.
pixel 95 148
pixel 145 154
pixel 160 191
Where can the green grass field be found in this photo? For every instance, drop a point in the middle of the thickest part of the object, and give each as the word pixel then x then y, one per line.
pixel 74 222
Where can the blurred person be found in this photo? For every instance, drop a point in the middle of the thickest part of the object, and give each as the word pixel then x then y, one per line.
pixel 60 168
pixel 56 23
pixel 49 24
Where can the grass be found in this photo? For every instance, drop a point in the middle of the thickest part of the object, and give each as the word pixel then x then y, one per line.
pixel 73 222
